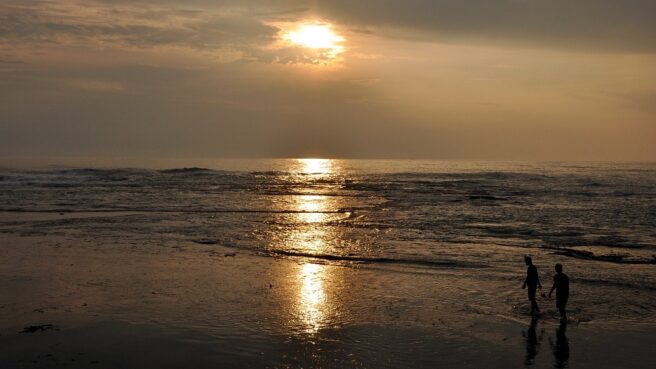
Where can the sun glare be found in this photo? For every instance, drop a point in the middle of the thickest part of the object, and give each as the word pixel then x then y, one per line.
pixel 315 166
pixel 312 296
pixel 316 36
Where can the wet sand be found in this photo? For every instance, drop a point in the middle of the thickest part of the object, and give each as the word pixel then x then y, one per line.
pixel 206 306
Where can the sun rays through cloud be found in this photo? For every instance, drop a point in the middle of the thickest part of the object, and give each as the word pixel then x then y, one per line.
pixel 317 42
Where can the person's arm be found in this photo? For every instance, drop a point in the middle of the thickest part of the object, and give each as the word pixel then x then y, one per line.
pixel 539 284
pixel 552 287
pixel 524 285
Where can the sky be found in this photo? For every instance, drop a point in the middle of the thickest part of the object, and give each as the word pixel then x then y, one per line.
pixel 443 79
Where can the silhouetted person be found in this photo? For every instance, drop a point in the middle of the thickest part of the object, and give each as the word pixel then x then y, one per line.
pixel 532 281
pixel 561 285
pixel 561 348
pixel 532 342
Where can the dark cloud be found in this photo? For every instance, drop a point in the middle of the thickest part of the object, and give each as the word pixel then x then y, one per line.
pixel 644 100
pixel 133 25
pixel 605 25
pixel 600 25
pixel 237 28
pixel 11 61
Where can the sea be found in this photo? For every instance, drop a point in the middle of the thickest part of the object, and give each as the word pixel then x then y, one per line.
pixel 471 219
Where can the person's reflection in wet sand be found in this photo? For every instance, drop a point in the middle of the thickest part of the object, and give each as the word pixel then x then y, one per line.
pixel 561 348
pixel 532 342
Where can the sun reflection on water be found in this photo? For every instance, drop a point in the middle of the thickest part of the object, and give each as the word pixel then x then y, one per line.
pixel 310 234
pixel 312 297
pixel 312 208
pixel 316 166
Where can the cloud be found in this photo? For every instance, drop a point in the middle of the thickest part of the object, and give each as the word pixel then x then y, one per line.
pixel 11 61
pixel 601 25
pixel 97 85
pixel 210 78
pixel 643 100
pixel 244 31
pixel 136 25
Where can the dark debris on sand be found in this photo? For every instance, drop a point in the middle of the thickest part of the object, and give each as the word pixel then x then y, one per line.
pixel 39 328
pixel 205 241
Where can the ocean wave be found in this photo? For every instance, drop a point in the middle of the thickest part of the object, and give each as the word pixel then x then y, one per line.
pixel 192 170
pixel 610 283
pixel 560 209
pixel 174 210
pixel 268 173
pixel 379 260
pixel 610 258
pixel 591 240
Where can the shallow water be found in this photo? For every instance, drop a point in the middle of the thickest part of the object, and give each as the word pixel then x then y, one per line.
pixel 468 222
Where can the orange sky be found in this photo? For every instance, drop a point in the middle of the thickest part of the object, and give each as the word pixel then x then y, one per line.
pixel 538 80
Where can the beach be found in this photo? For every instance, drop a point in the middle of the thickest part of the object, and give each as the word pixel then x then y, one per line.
pixel 296 184
pixel 206 307
pixel 321 270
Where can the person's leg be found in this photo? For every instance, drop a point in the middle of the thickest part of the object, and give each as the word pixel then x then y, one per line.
pixel 560 304
pixel 563 313
pixel 531 296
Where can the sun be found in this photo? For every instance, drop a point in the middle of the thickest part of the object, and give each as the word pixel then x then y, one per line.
pixel 316 36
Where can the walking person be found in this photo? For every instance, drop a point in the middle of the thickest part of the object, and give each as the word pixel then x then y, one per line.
pixel 561 285
pixel 532 281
